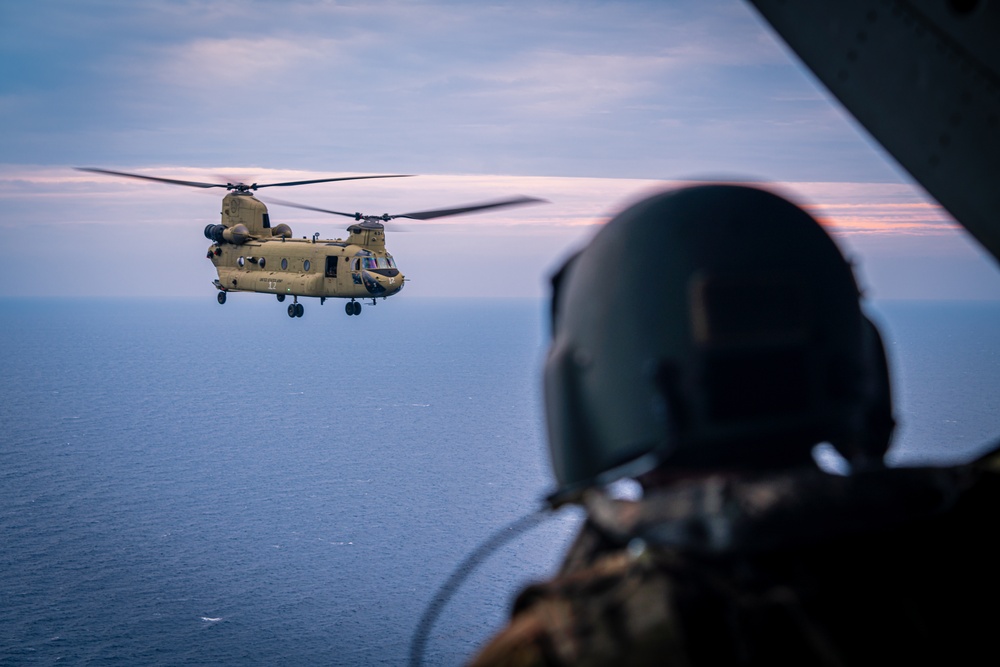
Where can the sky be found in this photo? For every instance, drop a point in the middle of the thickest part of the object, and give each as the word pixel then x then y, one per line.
pixel 589 105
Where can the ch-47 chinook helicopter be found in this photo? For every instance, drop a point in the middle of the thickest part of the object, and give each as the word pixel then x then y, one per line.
pixel 250 255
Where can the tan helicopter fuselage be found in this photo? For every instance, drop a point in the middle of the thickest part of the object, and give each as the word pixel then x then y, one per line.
pixel 251 256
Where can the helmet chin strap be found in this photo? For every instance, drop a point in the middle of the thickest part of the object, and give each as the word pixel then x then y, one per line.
pixel 458 576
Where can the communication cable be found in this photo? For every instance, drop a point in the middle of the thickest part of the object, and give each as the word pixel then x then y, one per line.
pixel 461 572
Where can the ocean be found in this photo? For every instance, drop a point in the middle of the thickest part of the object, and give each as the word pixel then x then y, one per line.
pixel 183 483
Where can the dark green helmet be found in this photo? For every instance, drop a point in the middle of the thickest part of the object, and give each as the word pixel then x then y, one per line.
pixel 717 327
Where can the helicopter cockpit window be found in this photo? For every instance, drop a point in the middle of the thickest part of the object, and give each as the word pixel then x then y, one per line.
pixel 306 265
pixel 383 263
pixel 369 263
pixel 241 262
pixel 356 265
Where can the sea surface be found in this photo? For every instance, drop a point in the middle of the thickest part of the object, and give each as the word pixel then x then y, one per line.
pixel 183 483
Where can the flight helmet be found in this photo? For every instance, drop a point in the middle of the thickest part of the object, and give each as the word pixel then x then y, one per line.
pixel 711 327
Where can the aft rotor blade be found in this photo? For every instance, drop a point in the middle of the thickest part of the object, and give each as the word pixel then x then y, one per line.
pixel 173 181
pixel 443 212
pixel 272 200
pixel 327 180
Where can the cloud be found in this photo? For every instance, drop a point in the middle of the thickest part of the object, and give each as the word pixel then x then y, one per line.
pixel 872 208
pixel 846 208
pixel 580 88
pixel 234 62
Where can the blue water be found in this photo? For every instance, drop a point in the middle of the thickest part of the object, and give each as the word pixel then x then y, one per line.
pixel 184 483
pixel 944 362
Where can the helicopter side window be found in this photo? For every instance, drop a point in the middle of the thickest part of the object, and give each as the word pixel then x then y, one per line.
pixel 306 265
pixel 241 262
pixel 356 265
pixel 284 264
pixel 331 267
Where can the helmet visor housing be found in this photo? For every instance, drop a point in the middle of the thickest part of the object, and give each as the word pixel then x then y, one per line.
pixel 715 326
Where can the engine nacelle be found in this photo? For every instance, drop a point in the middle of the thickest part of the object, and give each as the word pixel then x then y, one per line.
pixel 214 232
pixel 282 231
pixel 237 235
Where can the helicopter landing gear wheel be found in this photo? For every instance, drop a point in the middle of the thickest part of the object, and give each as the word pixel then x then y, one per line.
pixel 357 307
pixel 221 297
pixel 299 309
pixel 291 309
pixel 352 308
pixel 281 297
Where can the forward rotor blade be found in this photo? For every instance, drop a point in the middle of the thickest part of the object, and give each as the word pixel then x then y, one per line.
pixel 272 200
pixel 327 180
pixel 193 184
pixel 443 212
pixel 242 187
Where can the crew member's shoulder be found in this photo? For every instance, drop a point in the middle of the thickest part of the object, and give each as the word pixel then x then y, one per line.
pixel 619 608
pixel 980 485
pixel 989 462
